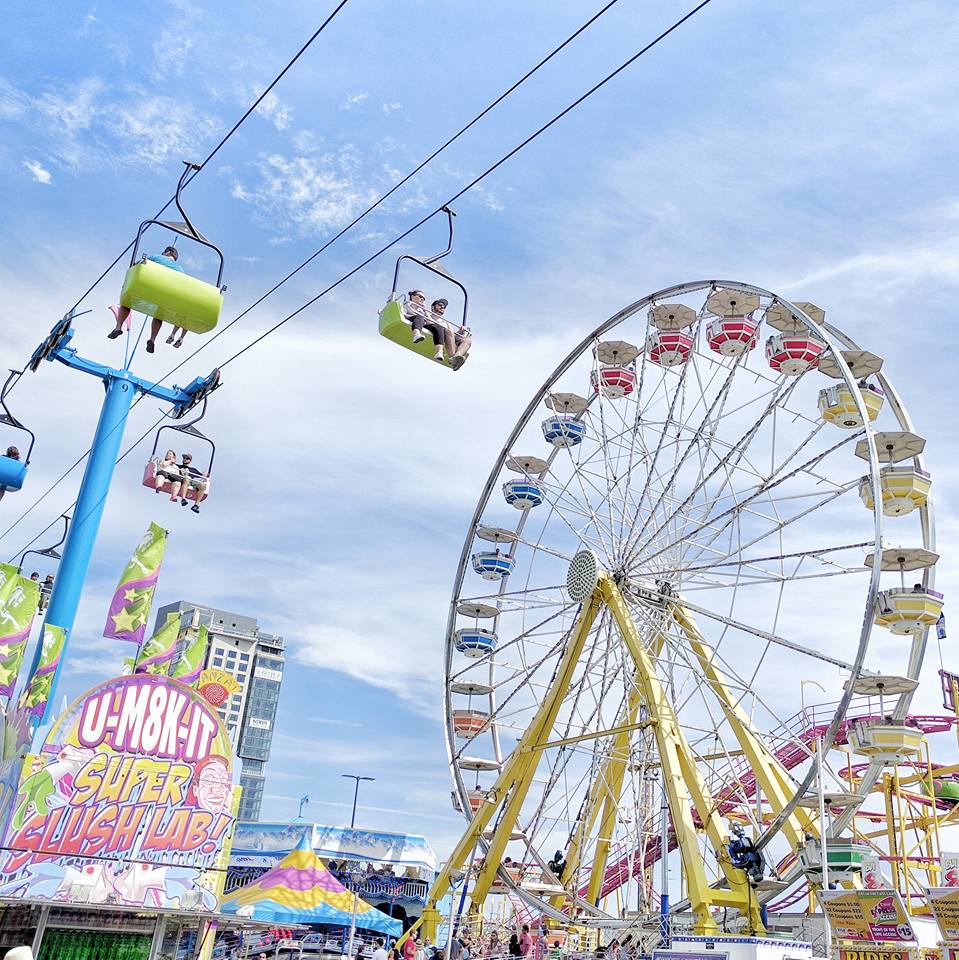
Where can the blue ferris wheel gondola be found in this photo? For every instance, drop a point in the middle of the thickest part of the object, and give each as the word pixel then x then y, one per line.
pixel 493 565
pixel 475 642
pixel 564 431
pixel 523 494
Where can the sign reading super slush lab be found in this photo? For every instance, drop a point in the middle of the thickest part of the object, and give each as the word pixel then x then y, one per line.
pixel 130 801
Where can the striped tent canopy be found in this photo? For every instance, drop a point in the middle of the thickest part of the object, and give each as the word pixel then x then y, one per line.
pixel 299 889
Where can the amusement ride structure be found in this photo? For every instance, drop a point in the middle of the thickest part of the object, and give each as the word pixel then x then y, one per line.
pixel 716 498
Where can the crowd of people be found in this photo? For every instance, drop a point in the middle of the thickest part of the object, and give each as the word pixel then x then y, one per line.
pixel 182 477
pixel 455 342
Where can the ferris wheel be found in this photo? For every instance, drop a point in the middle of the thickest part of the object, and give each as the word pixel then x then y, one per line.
pixel 714 498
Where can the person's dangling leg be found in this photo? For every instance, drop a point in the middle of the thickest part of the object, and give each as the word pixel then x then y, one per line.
pixel 417 323
pixel 155 325
pixel 122 317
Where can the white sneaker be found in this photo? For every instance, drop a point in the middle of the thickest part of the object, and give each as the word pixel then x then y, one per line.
pixel 438 358
pixel 418 336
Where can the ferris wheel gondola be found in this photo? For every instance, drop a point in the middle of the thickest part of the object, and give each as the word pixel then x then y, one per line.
pixel 397 320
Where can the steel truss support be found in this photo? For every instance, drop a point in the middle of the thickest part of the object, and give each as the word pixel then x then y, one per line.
pixel 688 797
pixel 777 785
pixel 685 788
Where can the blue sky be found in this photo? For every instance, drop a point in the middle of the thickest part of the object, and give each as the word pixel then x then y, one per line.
pixel 809 149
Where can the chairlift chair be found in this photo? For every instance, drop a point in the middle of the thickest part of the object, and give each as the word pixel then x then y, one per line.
pixel 50 553
pixel 190 429
pixel 169 295
pixel 394 324
pixel 13 471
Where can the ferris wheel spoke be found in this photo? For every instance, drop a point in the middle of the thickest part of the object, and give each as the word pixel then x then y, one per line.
pixel 779 527
pixel 737 450
pixel 764 488
pixel 766 635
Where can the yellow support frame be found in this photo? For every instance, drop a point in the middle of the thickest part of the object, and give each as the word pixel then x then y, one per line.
pixel 684 787
pixel 682 780
pixel 777 785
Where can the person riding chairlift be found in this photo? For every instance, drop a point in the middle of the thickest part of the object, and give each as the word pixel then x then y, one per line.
pixel 457 344
pixel 191 477
pixel 167 469
pixel 14 454
pixel 122 314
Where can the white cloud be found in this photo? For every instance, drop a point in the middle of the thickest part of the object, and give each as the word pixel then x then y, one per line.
pixel 38 171
pixel 388 108
pixel 275 111
pixel 13 102
pixel 157 131
pixel 311 194
pixel 354 100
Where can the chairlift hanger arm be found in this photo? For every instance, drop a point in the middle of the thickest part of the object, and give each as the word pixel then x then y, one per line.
pixel 432 269
pixel 7 417
pixel 190 231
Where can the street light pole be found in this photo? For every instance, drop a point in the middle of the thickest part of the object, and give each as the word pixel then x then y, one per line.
pixel 356 792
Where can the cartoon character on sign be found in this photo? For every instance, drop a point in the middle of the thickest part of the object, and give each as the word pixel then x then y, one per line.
pixel 142 884
pixel 87 884
pixel 39 791
pixel 885 910
pixel 211 785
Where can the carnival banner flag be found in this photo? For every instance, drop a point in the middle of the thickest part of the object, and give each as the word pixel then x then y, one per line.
pixel 156 655
pixel 34 698
pixel 17 611
pixel 130 609
pixel 8 580
pixel 188 668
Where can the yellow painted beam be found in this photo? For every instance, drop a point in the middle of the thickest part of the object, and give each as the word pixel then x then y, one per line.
pixel 526 760
pixel 777 785
pixel 517 770
pixel 683 784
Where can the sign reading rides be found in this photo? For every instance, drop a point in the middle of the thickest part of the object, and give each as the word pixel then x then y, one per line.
pixel 130 801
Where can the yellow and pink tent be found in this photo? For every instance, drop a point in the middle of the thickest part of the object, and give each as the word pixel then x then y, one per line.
pixel 300 889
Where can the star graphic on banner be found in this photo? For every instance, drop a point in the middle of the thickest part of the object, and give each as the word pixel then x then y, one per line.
pixel 5 649
pixel 8 674
pixel 124 620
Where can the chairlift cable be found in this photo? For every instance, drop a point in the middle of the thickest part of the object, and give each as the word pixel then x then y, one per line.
pixel 469 186
pixel 236 126
pixel 396 186
pixel 60 479
pixel 542 129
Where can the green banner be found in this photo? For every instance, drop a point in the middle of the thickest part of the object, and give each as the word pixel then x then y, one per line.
pixel 156 655
pixel 20 596
pixel 34 698
pixel 8 580
pixel 130 608
pixel 188 666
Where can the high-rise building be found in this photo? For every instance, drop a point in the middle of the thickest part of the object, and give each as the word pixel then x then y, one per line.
pixel 256 660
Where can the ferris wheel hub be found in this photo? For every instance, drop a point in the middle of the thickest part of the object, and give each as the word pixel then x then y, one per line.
pixel 583 575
